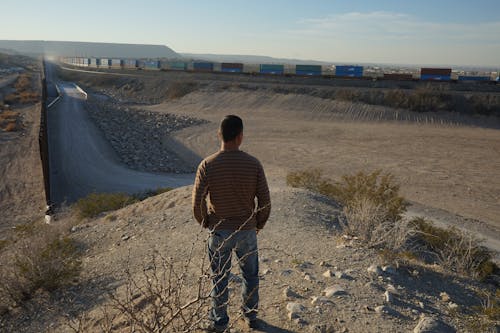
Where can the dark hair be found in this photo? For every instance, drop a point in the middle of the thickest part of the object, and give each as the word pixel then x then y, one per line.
pixel 230 127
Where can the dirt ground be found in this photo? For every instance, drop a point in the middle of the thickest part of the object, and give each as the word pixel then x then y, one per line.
pixel 454 168
pixel 22 197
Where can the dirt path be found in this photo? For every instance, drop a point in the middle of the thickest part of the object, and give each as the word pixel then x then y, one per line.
pixel 82 161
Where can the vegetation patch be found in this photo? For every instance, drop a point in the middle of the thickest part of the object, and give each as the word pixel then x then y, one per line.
pixel 373 211
pixel 97 203
pixel 455 250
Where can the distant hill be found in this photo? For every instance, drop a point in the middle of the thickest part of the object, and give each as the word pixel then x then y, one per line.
pixel 251 59
pixel 85 49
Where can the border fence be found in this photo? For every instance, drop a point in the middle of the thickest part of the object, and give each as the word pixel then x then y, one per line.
pixel 43 141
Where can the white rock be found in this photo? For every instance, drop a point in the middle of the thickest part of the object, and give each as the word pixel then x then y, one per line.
pixel 317 300
pixel 432 325
pixel 339 275
pixel 452 306
pixel 374 269
pixel 388 297
pixel 294 310
pixel 328 274
pixel 444 297
pixel 335 290
pixel 390 288
pixel 389 270
pixel 266 271
pixel 382 309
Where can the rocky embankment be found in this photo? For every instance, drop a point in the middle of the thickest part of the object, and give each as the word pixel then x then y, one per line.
pixel 140 137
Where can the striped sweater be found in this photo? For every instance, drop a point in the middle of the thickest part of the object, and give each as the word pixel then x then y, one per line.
pixel 225 189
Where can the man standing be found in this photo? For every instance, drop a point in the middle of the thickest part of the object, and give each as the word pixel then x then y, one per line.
pixel 223 201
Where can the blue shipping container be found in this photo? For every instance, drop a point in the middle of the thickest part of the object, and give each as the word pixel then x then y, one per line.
pixel 272 69
pixel 349 71
pixel 474 78
pixel 431 77
pixel 203 66
pixel 299 72
pixel 152 64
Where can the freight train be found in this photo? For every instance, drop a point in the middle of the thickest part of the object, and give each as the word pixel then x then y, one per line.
pixel 341 71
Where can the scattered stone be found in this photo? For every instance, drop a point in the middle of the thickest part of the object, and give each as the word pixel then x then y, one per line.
pixel 388 297
pixel 339 275
pixel 335 290
pixel 300 321
pixel 125 237
pixel 452 306
pixel 288 293
pixel 389 270
pixel 444 297
pixel 328 274
pixel 375 269
pixel 382 309
pixel 432 325
pixel 286 272
pixel 390 288
pixel 266 271
pixel 294 310
pixel 318 300
pixel 308 277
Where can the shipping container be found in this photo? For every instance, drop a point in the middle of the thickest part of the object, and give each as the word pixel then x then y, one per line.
pixel 229 67
pixel 177 66
pixel 115 63
pixel 349 71
pixel 129 63
pixel 473 78
pixel 398 76
pixel 151 64
pixel 436 71
pixel 308 69
pixel 203 66
pixel 435 77
pixel 93 62
pixel 104 63
pixel 272 69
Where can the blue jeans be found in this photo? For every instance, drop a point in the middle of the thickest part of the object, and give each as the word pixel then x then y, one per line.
pixel 220 247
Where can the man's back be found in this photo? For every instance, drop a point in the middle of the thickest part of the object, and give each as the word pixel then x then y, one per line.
pixel 233 179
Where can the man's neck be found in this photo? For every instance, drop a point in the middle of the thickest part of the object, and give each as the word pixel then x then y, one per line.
pixel 229 146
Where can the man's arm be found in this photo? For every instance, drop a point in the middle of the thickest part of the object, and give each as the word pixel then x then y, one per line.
pixel 200 190
pixel 263 199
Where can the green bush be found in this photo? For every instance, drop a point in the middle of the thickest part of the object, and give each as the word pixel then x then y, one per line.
pixel 96 203
pixel 455 250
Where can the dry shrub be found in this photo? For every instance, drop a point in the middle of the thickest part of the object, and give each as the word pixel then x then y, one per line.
pixel 45 260
pixel 23 82
pixel 372 204
pixel 455 250
pixel 97 203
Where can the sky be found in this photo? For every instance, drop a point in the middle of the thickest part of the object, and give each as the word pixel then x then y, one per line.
pixel 451 32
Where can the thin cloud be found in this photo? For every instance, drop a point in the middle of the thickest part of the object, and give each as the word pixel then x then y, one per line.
pixel 395 26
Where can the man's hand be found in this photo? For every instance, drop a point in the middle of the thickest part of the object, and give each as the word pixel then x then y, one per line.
pixel 257 231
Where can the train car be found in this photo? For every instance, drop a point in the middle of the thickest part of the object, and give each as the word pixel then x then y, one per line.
pixel 435 74
pixel 150 64
pixel 175 66
pixel 129 63
pixel 115 63
pixel 349 71
pixel 228 67
pixel 272 69
pixel 94 62
pixel 104 63
pixel 203 66
pixel 474 78
pixel 398 76
pixel 315 70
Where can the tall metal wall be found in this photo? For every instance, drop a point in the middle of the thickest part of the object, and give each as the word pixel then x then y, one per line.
pixel 43 140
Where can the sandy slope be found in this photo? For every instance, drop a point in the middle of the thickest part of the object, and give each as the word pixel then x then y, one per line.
pixel 22 197
pixel 454 168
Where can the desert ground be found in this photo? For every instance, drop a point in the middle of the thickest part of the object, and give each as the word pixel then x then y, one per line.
pixel 446 165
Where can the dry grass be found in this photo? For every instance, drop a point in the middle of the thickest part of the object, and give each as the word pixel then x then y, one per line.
pixel 180 89
pixel 455 250
pixel 38 257
pixel 97 203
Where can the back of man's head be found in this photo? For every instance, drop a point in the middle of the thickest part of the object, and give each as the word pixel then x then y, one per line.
pixel 230 127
